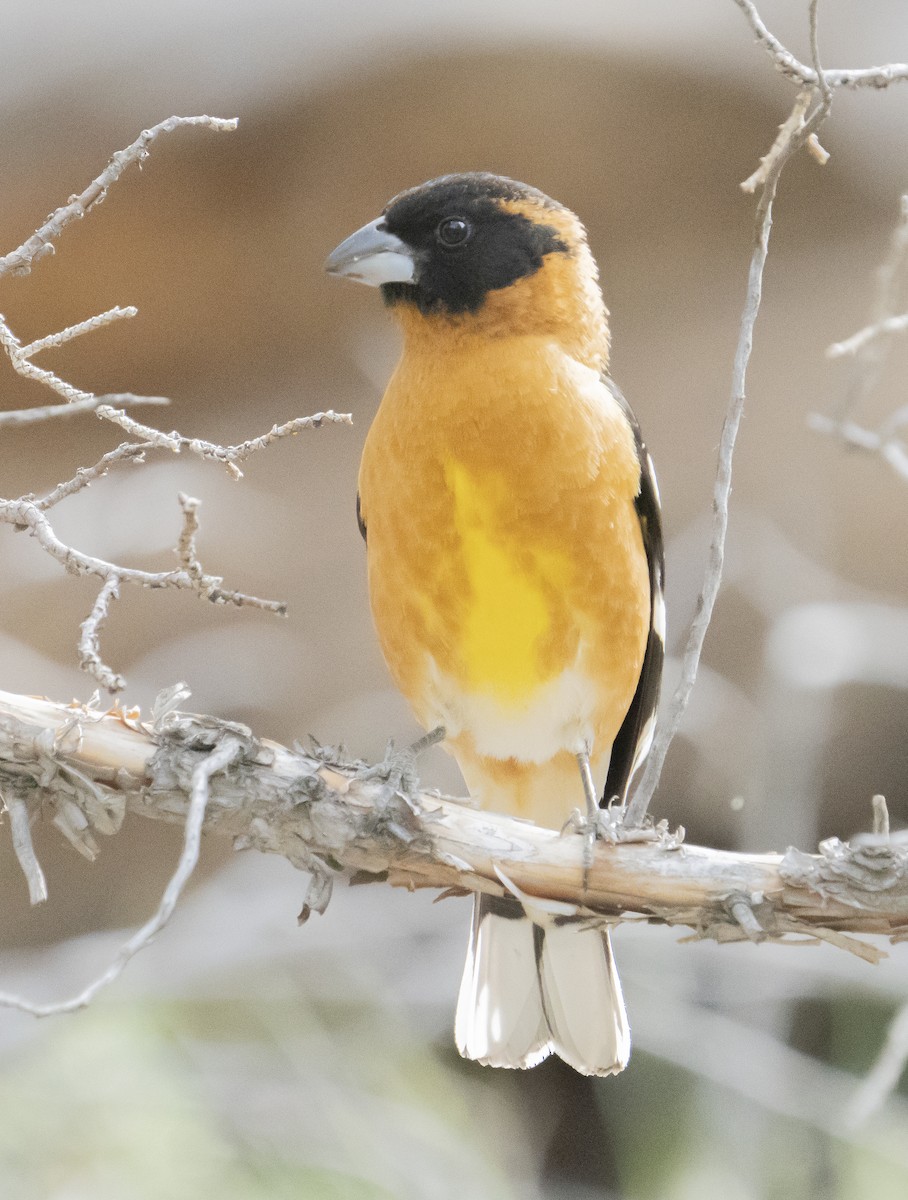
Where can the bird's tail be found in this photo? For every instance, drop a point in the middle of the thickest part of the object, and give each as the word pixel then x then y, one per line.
pixel 530 989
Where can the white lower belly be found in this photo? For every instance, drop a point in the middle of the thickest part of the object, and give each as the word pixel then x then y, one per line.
pixel 557 716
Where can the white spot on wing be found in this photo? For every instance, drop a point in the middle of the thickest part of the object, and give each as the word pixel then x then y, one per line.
pixel 659 615
pixel 644 742
pixel 655 482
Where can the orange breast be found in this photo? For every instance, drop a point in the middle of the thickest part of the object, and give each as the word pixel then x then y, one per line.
pixel 507 574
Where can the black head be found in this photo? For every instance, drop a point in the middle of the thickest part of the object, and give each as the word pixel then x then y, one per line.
pixel 468 239
pixel 455 246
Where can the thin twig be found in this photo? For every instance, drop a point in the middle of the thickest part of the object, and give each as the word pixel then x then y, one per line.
pixel 73 331
pixel 792 124
pixel 219 758
pixel 870 358
pixel 863 337
pixel 892 450
pixel 48 412
pixel 80 401
pixel 89 632
pixel 20 260
pixel 27 513
pixel 126 452
pixel 231 455
pixel 819 74
pixel 798 72
pixel 869 348
pixel 798 133
pixel 186 547
pixel 23 366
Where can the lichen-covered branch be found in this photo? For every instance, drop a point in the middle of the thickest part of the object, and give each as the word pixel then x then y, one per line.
pixel 86 768
pixel 217 758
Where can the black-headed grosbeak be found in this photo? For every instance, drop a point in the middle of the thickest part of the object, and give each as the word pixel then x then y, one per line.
pixel 515 565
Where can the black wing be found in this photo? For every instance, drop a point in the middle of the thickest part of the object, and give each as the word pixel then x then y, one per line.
pixel 359 518
pixel 635 736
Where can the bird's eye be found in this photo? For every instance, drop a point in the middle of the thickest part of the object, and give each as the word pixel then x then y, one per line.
pixel 453 231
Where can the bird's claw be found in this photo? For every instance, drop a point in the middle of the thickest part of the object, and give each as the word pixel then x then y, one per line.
pixel 608 826
pixel 397 770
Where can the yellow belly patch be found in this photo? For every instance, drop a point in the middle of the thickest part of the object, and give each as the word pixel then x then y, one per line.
pixel 508 599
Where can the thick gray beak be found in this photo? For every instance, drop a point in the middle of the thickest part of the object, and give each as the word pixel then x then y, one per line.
pixel 374 256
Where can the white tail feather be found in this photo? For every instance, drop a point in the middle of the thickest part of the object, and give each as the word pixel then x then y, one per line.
pixel 500 1021
pixel 581 997
pixel 530 989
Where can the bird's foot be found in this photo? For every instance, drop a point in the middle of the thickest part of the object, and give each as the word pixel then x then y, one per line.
pixel 614 830
pixel 397 770
pixel 607 825
pixel 654 832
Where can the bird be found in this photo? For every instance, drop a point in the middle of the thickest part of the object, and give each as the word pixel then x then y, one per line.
pixel 515 565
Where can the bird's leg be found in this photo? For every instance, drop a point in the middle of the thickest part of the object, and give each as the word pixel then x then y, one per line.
pixel 590 827
pixel 607 823
pixel 592 801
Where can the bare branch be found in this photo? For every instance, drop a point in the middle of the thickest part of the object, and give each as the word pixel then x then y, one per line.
pixel 125 452
pixel 89 633
pixel 73 331
pixel 27 369
pixel 797 131
pixel 792 124
pixel 20 260
pixel 869 348
pixel 213 761
pixel 863 337
pixel 789 66
pixel 892 450
pixel 313 809
pixel 231 455
pixel 78 400
pixel 28 513
pixel 186 547
pixel 49 412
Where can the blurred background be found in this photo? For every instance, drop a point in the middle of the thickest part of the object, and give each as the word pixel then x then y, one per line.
pixel 241 1056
